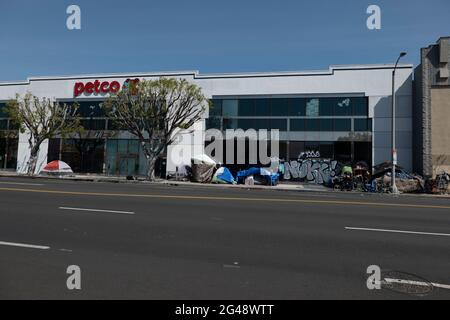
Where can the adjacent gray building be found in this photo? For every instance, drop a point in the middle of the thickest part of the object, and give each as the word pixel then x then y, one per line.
pixel 432 110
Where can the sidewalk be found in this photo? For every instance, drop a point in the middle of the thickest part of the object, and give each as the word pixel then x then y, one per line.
pixel 118 179
pixel 286 186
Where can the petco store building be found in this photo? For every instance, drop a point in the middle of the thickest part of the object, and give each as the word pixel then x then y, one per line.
pixel 343 114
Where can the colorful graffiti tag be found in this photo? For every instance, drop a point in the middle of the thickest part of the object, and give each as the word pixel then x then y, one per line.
pixel 318 171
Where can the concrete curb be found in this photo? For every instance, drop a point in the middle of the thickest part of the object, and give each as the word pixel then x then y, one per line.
pixel 280 187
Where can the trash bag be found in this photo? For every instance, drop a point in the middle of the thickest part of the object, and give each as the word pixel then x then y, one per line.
pixel 249 181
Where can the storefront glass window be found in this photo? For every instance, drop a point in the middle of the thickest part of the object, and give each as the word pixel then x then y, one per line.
pixel 8 151
pixel 330 114
pixel 280 107
pixel 313 125
pixel 363 152
pixel 262 107
pixel 343 152
pixel 94 124
pixel 360 106
pixel 3 113
pixel 297 125
pixel 312 108
pixel 246 124
pixel 123 157
pixel 246 108
pixel 262 124
pixel 230 108
pixel 343 107
pixel 213 123
pixel 297 107
pixel 279 124
pixel 363 125
pixel 326 150
pixel 4 124
pixel 326 125
pixel 215 108
pixel 342 125
pixel 230 124
pixel 295 149
pixel 327 106
pixel 82 155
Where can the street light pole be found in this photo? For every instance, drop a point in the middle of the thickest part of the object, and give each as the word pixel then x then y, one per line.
pixel 394 150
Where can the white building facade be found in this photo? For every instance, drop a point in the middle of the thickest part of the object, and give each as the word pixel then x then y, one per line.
pixel 343 113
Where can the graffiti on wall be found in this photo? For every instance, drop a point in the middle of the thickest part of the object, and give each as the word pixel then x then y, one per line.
pixel 318 171
pixel 309 155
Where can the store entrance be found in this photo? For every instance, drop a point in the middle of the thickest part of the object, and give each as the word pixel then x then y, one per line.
pixel 8 153
pixel 128 165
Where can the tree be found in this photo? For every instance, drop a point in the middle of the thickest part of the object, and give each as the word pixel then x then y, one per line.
pixel 90 135
pixel 42 119
pixel 86 142
pixel 155 111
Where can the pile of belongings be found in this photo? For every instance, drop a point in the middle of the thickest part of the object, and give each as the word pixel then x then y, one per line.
pixel 203 168
pixel 362 172
pixel 440 185
pixel 182 173
pixel 260 176
pixel 406 182
pixel 223 176
pixel 361 167
pixel 347 170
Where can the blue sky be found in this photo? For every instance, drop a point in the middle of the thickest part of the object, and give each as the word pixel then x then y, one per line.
pixel 210 35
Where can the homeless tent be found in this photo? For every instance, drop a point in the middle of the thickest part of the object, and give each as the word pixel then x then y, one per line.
pixel 223 176
pixel 57 167
pixel 203 168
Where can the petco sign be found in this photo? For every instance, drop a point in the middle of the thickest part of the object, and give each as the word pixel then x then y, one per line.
pixel 100 87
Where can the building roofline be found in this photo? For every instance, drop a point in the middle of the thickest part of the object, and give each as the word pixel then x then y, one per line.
pixel 197 75
pixel 436 43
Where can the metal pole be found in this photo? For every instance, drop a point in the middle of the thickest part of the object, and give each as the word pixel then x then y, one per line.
pixel 394 150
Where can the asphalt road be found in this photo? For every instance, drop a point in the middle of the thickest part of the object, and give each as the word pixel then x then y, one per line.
pixel 169 242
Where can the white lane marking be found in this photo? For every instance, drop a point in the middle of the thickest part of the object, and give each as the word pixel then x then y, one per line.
pixel 399 231
pixel 96 210
pixel 417 283
pixel 229 266
pixel 22 184
pixel 23 245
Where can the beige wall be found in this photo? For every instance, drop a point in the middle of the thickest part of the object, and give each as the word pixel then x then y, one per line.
pixel 440 129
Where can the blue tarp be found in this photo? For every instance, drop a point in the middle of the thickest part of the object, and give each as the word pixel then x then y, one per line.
pixel 270 178
pixel 223 175
pixel 250 172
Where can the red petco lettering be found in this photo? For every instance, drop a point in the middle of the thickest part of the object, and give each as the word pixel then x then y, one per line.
pixel 96 87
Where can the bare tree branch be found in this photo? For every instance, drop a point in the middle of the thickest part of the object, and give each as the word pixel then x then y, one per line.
pixel 155 111
pixel 42 119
